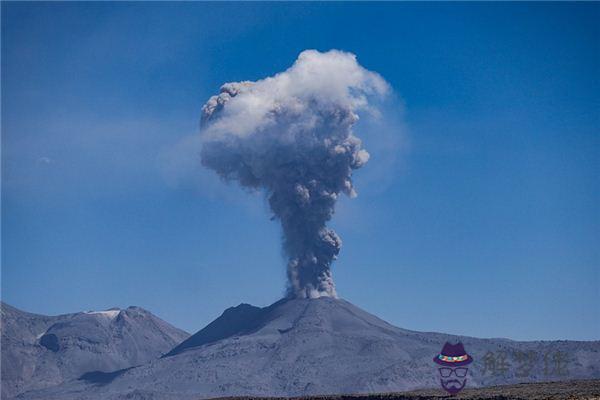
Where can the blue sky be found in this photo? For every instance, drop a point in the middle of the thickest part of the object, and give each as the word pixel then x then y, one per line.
pixel 478 213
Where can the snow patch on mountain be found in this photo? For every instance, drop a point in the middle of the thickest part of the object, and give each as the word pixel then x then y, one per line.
pixel 108 313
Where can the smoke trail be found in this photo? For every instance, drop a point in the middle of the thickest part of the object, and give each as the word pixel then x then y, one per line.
pixel 291 135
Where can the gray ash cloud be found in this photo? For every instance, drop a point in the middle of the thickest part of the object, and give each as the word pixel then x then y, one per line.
pixel 291 136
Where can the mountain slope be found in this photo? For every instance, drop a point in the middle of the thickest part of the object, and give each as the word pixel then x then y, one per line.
pixel 314 346
pixel 39 351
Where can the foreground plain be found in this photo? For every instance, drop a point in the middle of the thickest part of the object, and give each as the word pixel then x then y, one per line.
pixel 566 390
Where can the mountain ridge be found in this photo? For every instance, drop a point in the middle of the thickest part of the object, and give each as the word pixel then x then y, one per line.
pixel 44 351
pixel 300 347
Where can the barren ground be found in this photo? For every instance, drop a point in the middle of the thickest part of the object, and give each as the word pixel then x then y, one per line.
pixel 578 389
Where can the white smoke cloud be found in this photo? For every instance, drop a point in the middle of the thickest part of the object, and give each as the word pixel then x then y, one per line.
pixel 291 136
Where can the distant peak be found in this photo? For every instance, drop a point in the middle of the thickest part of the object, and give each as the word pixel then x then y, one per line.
pixel 241 307
pixel 234 320
pixel 135 308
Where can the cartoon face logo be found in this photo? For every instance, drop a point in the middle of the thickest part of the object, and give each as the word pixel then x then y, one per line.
pixel 453 360
pixel 453 380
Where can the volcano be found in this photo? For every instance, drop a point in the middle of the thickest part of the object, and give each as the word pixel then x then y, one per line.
pixel 300 347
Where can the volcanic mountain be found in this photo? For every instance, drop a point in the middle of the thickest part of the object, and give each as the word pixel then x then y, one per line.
pixel 39 351
pixel 321 346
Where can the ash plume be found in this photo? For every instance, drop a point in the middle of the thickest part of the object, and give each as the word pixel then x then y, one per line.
pixel 291 136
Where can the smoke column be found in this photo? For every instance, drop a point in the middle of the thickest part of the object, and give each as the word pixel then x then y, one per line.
pixel 291 136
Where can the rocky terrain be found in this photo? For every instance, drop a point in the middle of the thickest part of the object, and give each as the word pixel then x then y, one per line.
pixel 565 390
pixel 322 346
pixel 40 351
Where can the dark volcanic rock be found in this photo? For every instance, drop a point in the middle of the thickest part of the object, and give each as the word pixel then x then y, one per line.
pixel 39 351
pixel 50 341
pixel 240 320
pixel 235 320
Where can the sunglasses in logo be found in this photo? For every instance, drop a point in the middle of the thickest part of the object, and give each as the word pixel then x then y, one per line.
pixel 459 372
